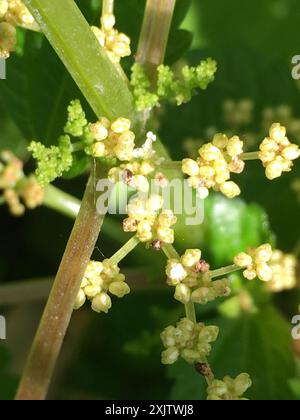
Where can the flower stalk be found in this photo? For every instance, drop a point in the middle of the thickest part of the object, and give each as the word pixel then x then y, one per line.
pixel 46 346
pixel 108 7
pixel 125 250
pixel 224 271
pixel 155 34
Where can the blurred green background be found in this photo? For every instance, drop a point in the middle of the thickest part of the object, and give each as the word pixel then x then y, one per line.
pixel 117 356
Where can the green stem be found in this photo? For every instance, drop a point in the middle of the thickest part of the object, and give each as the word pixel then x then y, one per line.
pixel 46 346
pixel 190 312
pixel 224 271
pixel 108 7
pixel 61 202
pixel 125 250
pixel 56 317
pixel 250 156
pixel 171 165
pixel 71 37
pixel 155 34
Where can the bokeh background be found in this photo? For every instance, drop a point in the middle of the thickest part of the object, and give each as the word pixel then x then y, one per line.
pixel 117 356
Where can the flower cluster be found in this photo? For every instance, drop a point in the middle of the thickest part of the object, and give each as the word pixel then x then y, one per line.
pixel 189 340
pixel 112 139
pixel 229 389
pixel 52 161
pixel 100 279
pixel 136 173
pixel 13 13
pixel 256 262
pixel 216 161
pixel 116 44
pixel 277 152
pixel 16 186
pixel 169 87
pixel 284 272
pixel 149 221
pixel 192 281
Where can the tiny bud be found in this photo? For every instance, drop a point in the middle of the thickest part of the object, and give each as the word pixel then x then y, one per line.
pixel 101 303
pixel 80 300
pixel 243 260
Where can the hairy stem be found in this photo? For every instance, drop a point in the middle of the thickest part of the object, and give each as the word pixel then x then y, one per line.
pixel 155 34
pixel 224 271
pixel 55 320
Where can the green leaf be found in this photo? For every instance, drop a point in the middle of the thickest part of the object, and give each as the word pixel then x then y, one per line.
pixel 180 42
pixel 232 226
pixel 246 344
pixel 98 79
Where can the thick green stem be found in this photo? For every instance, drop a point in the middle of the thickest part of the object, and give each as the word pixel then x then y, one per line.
pixel 224 271
pixel 76 45
pixel 155 34
pixel 125 250
pixel 108 95
pixel 55 320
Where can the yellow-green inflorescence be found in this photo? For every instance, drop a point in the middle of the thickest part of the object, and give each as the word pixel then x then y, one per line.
pixel 149 221
pixel 18 190
pixel 229 389
pixel 192 280
pixel 256 262
pixel 169 86
pixel 277 153
pixel 284 272
pixel 213 168
pixel 142 166
pixel 101 279
pixel 13 13
pixel 188 340
pixel 54 161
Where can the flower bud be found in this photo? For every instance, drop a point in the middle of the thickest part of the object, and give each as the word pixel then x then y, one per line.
pixel 243 260
pixel 230 189
pixel 101 303
pixel 80 300
pixel 191 257
pixel 119 288
pixel 190 167
pixel 169 356
pixel 182 293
